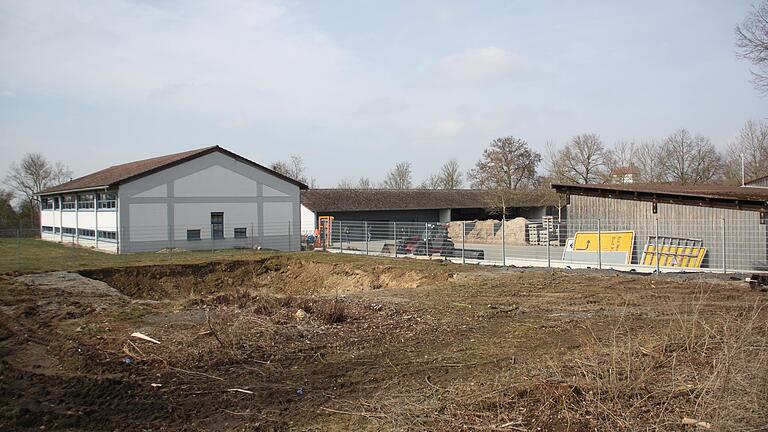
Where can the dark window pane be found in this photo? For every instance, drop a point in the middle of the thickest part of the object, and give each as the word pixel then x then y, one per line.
pixel 241 232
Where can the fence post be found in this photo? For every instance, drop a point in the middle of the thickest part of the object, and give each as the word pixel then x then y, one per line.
pixel 599 247
pixel 656 248
pixel 722 228
pixel 341 237
pixel 290 243
pixel 426 238
pixel 549 257
pixel 251 236
pixel 394 236
pixel 365 233
pixel 18 249
pixel 463 227
pixel 503 241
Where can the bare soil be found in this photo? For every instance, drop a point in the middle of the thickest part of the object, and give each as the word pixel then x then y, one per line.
pixel 378 345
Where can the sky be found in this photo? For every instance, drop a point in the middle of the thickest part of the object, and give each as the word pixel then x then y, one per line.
pixel 353 87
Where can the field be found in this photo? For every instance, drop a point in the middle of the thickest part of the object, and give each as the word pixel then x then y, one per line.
pixel 316 342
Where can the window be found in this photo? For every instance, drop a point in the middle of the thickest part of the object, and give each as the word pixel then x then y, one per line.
pixel 46 203
pixel 217 225
pixel 47 229
pixel 86 232
pixel 56 203
pixel 193 234
pixel 241 232
pixel 68 231
pixel 85 201
pixel 57 230
pixel 68 202
pixel 106 201
pixel 107 235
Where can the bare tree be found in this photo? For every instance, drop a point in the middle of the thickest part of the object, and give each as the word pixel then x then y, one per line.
pixel 752 142
pixel 752 44
pixel 690 158
pixel 583 160
pixel 346 183
pixel 449 177
pixel 432 182
pixel 648 161
pixel 293 168
pixel 399 177
pixel 364 183
pixel 507 163
pixel 32 174
pixel 622 154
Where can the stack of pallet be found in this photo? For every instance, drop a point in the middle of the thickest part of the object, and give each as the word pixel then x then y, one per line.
pixel 544 233
pixel 533 233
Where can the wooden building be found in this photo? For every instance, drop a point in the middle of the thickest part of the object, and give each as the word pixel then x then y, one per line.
pixel 730 221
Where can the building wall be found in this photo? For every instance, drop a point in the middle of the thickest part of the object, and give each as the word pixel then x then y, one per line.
pixel 101 220
pixel 308 221
pixel 156 211
pixel 745 236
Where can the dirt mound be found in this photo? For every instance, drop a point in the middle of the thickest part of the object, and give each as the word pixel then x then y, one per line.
pixel 489 231
pixel 276 274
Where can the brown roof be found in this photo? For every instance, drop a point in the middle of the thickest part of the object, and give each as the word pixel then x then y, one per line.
pixel 329 200
pixel 695 194
pixel 117 174
pixel 624 170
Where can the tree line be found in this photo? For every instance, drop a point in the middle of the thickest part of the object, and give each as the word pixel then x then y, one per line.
pixel 510 163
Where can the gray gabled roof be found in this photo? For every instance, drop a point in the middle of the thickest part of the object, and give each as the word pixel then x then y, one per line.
pixel 122 173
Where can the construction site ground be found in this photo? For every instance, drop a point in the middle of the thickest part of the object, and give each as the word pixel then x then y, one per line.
pixel 317 341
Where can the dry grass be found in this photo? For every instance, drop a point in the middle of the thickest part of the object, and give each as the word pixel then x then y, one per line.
pixel 709 367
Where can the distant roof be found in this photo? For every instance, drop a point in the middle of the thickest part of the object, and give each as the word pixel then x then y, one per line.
pixel 709 195
pixel 329 200
pixel 624 170
pixel 117 174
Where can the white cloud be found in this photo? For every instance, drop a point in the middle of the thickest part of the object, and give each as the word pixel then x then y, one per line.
pixel 224 57
pixel 447 128
pixel 482 64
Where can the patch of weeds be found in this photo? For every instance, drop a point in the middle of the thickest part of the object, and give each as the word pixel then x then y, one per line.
pixel 128 313
pixel 333 312
pixel 89 329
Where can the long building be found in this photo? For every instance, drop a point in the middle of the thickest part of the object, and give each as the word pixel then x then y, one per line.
pixel 199 199
pixel 729 221
pixel 419 205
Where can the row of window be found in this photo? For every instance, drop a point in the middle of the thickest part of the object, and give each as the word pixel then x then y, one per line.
pixel 102 200
pixel 194 234
pixel 86 232
pixel 82 232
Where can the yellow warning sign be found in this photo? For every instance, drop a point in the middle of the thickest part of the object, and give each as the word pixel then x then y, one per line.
pixel 614 244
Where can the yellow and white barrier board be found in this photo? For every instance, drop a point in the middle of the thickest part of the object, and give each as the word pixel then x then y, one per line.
pixel 674 256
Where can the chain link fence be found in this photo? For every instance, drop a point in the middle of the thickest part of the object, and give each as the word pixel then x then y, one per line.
pixel 715 245
pixel 64 248
pixel 724 246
